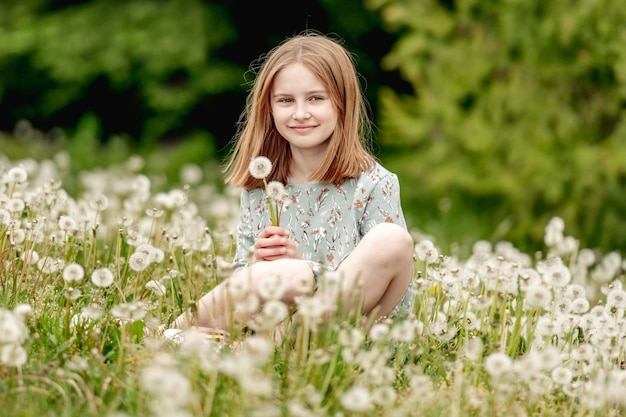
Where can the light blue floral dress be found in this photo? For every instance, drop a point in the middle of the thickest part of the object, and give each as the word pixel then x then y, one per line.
pixel 326 221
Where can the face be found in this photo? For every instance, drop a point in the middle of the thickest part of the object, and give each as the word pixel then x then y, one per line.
pixel 302 110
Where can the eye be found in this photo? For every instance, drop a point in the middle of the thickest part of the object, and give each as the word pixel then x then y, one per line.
pixel 285 100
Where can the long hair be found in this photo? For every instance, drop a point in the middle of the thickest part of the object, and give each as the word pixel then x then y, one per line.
pixel 348 152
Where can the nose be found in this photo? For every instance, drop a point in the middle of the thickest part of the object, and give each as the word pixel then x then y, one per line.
pixel 301 113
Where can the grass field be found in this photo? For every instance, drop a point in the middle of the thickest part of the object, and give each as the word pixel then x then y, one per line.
pixel 90 279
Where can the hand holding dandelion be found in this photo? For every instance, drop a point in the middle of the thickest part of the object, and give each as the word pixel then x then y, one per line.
pixel 260 168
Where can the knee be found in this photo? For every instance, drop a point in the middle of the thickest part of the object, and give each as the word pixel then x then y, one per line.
pixel 392 239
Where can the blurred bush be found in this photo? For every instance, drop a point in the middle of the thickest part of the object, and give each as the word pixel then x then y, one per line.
pixel 141 66
pixel 516 115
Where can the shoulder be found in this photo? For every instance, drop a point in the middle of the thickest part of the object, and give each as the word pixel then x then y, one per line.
pixel 375 174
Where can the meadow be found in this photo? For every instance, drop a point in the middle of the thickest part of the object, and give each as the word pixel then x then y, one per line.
pixel 91 278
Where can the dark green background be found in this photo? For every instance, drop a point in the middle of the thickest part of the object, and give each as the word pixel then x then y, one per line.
pixel 497 115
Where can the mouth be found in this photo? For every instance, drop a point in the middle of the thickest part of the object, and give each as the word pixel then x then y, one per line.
pixel 302 128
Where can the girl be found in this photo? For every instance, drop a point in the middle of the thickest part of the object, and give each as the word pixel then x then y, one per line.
pixel 306 114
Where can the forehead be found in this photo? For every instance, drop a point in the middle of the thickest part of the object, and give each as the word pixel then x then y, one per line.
pixel 296 77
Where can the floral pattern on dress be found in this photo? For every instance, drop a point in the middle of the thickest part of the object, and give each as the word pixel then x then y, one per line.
pixel 326 221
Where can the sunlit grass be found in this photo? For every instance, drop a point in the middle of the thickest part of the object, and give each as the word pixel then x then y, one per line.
pixel 90 279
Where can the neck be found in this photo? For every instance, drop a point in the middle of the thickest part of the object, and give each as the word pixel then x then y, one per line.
pixel 302 166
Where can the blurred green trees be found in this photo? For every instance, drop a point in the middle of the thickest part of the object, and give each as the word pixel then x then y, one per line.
pixel 141 66
pixel 517 115
pixel 507 112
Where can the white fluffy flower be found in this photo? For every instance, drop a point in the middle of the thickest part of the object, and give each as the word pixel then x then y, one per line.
pixel 426 251
pixel 67 223
pixel 272 287
pixel 356 399
pixel 102 277
pixel 5 216
pixel 73 273
pixel 538 296
pixel 498 364
pixel 260 167
pixel 17 175
pixel 139 261
pixel 276 191
pixel 156 287
pixel 99 203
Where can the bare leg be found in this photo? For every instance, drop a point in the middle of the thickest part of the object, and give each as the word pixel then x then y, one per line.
pixel 216 308
pixel 381 267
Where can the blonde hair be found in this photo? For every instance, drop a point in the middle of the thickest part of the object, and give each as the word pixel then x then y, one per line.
pixel 347 155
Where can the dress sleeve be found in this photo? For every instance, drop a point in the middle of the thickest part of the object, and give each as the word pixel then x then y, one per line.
pixel 244 236
pixel 383 204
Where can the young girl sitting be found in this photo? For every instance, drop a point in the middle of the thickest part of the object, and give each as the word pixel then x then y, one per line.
pixel 305 119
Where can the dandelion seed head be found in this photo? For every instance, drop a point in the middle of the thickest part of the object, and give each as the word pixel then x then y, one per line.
pixel 5 216
pixel 498 364
pixel 356 399
pixel 561 375
pixel 238 288
pixel 260 167
pixel 72 293
pixel 427 252
pixel 67 223
pixel 102 277
pixel 272 287
pixel 16 175
pixel 313 307
pixel 92 311
pixel 190 174
pixel 616 299
pixel 22 311
pixel 260 349
pixel 403 331
pixel 99 203
pixel 275 311
pixel 538 296
pixel 384 396
pixel 276 191
pixel 49 265
pixel 138 261
pixel 379 331
pixel 557 276
pixel 156 287
pixel 12 328
pixel 178 198
pixel 13 355
pixel 580 306
pixel 474 348
pixel 554 231
pixel 129 311
pixel 15 205
pixel 73 273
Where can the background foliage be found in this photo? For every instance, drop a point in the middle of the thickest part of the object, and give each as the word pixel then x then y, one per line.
pixel 516 116
pixel 496 115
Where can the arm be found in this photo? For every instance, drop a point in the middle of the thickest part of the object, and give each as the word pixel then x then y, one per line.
pixel 382 204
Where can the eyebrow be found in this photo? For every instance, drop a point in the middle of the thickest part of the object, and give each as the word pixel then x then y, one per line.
pixel 307 93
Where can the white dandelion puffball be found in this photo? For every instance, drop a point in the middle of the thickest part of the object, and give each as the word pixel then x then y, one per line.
pixel 73 273
pixel 356 399
pixel 17 175
pixel 102 277
pixel 276 191
pixel 139 261
pixel 260 167
pixel 497 364
pixel 426 251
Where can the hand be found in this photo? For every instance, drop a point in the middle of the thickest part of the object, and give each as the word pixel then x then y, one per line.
pixel 274 243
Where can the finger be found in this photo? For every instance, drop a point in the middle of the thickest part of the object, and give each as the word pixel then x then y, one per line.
pixel 275 231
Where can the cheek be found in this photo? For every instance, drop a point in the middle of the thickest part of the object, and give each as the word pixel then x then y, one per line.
pixel 280 116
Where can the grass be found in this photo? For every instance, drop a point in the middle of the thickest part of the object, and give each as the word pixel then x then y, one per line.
pixel 498 332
